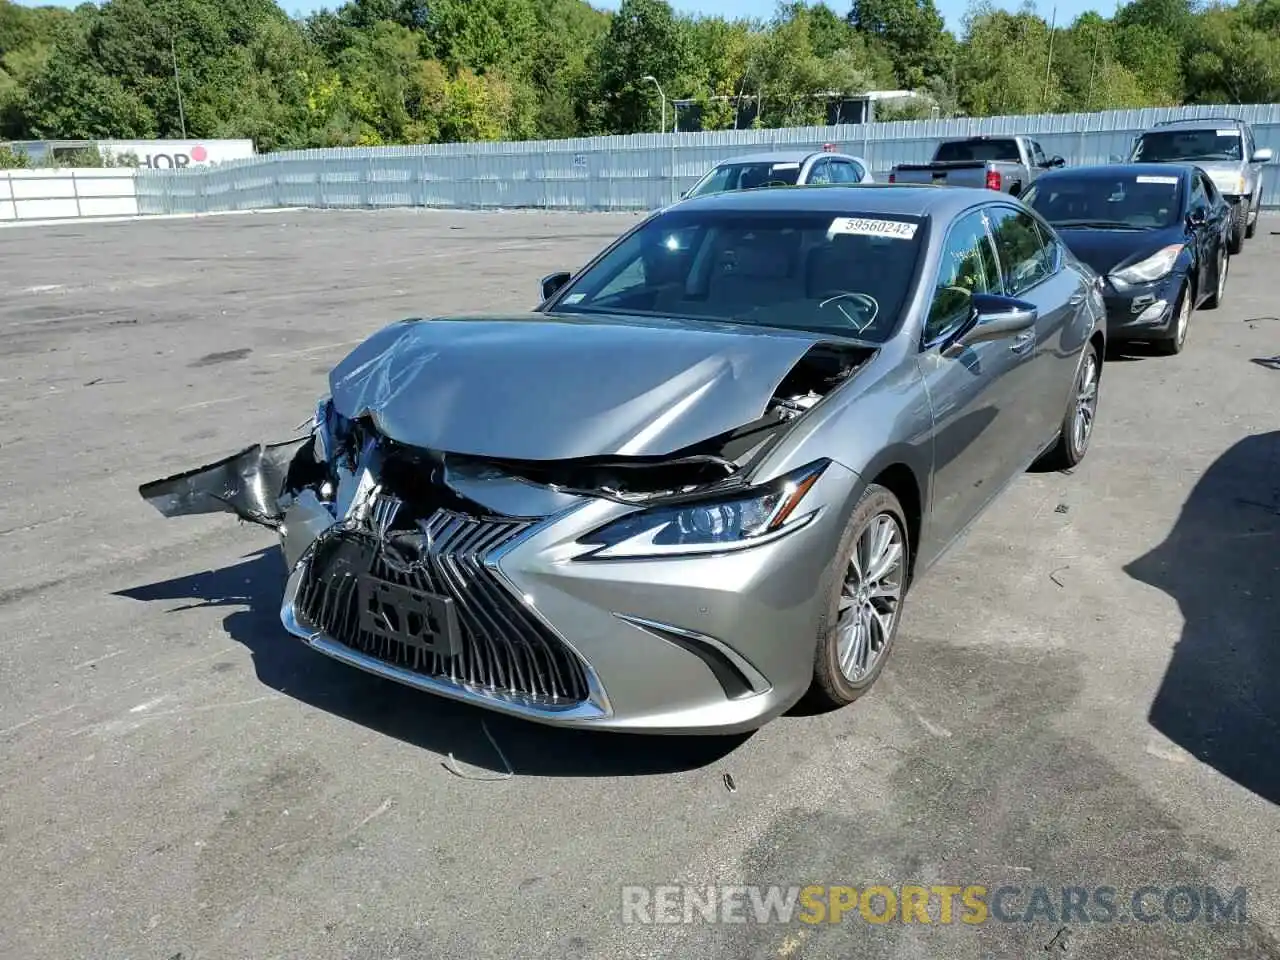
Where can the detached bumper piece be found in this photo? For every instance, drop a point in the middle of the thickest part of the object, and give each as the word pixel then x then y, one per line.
pixel 429 602
pixel 247 484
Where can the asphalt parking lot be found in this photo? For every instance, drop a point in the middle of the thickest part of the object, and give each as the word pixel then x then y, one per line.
pixel 1086 692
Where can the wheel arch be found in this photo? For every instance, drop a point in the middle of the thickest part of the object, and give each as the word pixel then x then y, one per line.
pixel 900 480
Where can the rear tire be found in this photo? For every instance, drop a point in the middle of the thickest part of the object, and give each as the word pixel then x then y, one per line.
pixel 864 601
pixel 1073 438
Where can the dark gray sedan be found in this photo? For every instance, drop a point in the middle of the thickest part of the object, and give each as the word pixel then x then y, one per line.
pixel 697 482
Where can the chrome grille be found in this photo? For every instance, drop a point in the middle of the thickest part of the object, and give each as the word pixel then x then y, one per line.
pixel 505 648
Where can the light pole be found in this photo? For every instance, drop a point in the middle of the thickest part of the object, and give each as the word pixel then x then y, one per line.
pixel 654 80
pixel 177 82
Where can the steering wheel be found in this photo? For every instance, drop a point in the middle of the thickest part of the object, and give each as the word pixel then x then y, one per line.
pixel 859 309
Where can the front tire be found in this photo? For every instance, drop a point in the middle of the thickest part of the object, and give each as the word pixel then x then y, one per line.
pixel 1257 212
pixel 864 601
pixel 1219 280
pixel 1182 321
pixel 1082 410
pixel 1239 227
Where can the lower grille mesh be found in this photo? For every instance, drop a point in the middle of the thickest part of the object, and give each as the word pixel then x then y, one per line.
pixel 505 648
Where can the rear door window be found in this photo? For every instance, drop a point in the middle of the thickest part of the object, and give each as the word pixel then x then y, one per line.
pixel 1025 260
pixel 820 172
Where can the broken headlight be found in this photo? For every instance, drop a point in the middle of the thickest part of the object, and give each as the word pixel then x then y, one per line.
pixel 708 526
pixel 333 432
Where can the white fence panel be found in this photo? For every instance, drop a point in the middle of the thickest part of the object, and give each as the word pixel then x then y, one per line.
pixel 67 194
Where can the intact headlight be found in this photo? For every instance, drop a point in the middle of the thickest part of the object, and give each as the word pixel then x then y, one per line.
pixel 713 525
pixel 1158 265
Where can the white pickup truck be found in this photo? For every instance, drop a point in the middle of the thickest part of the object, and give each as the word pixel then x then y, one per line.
pixel 1007 164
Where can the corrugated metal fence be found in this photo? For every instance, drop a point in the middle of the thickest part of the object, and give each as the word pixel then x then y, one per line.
pixel 637 172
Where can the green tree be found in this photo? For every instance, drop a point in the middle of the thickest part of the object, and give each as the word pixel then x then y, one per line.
pixel 484 34
pixel 1087 71
pixel 912 32
pixel 1003 65
pixel 644 39
pixel 1234 55
pixel 71 97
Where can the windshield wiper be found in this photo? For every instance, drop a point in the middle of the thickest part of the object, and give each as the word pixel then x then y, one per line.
pixel 1099 224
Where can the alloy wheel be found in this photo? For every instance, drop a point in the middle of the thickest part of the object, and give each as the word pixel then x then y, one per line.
pixel 1086 403
pixel 870 597
pixel 1184 318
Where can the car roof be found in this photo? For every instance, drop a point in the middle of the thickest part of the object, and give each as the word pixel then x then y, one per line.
pixel 1102 171
pixel 773 156
pixel 1202 123
pixel 904 199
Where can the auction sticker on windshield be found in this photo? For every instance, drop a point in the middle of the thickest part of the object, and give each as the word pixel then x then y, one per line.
pixel 1157 179
pixel 861 226
pixel 1227 133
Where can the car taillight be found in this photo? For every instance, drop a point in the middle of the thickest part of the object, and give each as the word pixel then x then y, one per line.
pixel 993 179
pixel 893 178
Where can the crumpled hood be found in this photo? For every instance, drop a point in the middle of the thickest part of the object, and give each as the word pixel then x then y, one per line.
pixel 539 387
pixel 1107 251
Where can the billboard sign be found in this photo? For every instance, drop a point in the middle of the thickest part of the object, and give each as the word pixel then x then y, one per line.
pixel 179 154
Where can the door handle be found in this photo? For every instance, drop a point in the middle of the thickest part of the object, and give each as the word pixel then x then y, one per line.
pixel 1076 299
pixel 1024 342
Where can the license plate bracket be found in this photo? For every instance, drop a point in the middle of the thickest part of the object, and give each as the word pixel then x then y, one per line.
pixel 422 621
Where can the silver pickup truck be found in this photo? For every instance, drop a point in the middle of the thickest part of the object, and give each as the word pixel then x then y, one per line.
pixel 1007 164
pixel 1224 148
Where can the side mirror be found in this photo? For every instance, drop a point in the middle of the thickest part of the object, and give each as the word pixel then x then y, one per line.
pixel 1115 158
pixel 1056 161
pixel 553 283
pixel 995 318
pixel 1262 155
pixel 684 194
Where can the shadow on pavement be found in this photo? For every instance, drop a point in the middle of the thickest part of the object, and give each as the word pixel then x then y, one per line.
pixel 253 587
pixel 1220 697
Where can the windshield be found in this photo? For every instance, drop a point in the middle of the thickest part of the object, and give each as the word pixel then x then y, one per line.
pixel 1174 145
pixel 822 272
pixel 985 150
pixel 747 176
pixel 1132 201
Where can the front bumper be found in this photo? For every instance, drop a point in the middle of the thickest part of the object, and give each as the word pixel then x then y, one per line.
pixel 1142 311
pixel 712 644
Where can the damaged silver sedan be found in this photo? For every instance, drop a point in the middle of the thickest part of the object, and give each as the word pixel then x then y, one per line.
pixel 696 483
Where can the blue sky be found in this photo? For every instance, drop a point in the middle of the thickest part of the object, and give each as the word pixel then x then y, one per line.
pixel 952 10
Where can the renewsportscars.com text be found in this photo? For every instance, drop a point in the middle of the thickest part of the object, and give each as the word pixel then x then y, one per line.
pixel 936 904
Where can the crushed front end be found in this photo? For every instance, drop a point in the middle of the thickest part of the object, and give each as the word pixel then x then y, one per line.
pixel 608 591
